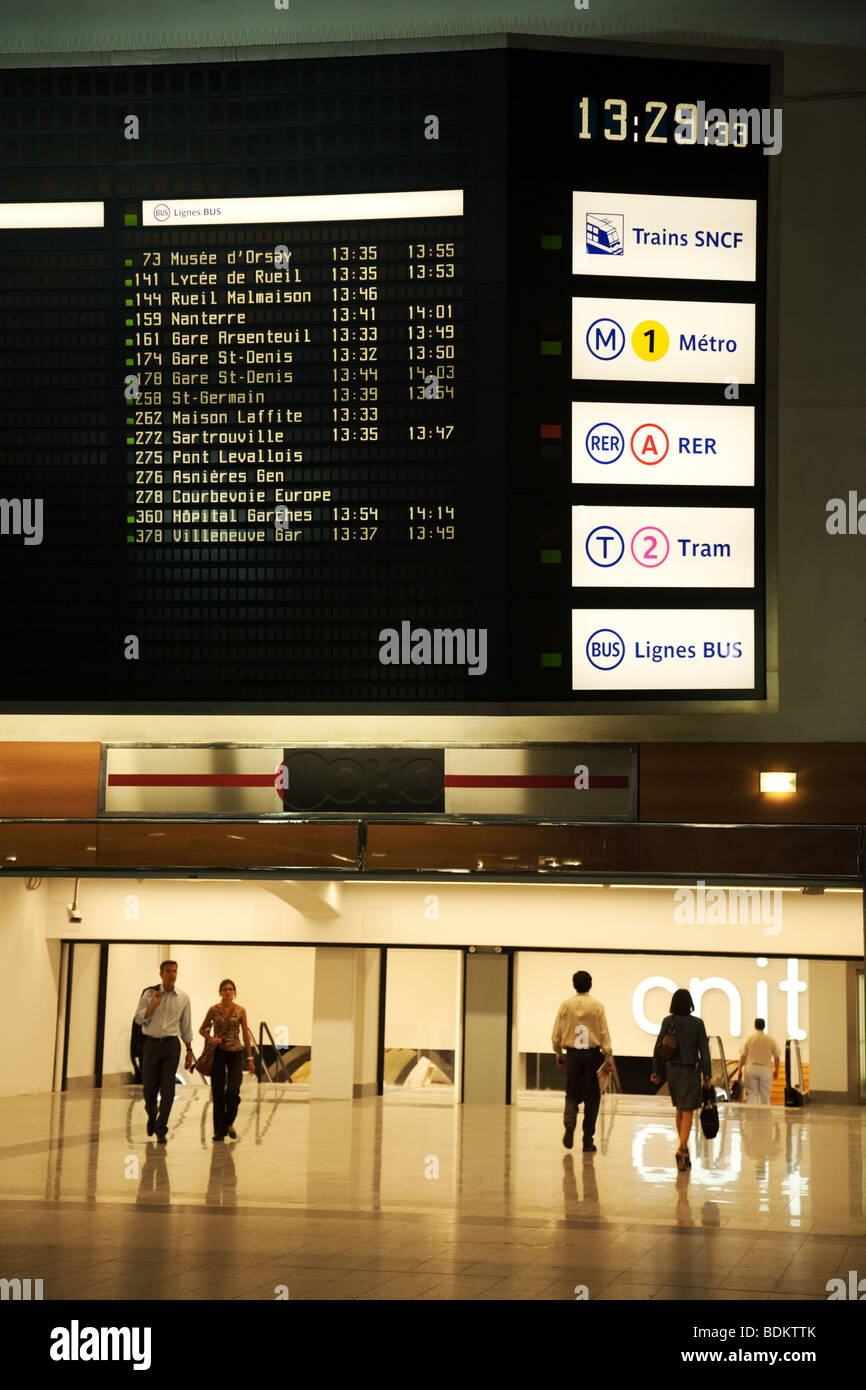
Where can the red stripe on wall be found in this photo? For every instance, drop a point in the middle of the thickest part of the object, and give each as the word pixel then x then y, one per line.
pixel 596 783
pixel 264 779
pixel 192 779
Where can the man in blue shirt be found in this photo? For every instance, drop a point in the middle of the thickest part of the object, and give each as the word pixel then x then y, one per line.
pixel 162 1013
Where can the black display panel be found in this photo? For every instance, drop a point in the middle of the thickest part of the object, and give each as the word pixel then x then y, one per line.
pixel 314 449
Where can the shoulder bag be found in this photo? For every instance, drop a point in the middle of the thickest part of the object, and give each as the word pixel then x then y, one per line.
pixel 204 1065
pixel 668 1047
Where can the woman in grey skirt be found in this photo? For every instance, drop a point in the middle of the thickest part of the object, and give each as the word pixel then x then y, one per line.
pixel 688 1069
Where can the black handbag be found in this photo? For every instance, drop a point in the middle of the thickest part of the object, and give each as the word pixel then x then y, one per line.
pixel 709 1114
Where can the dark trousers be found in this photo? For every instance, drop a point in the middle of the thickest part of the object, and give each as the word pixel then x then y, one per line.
pixel 158 1067
pixel 581 1087
pixel 225 1085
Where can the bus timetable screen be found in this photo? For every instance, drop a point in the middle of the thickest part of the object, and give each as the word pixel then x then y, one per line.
pixel 299 389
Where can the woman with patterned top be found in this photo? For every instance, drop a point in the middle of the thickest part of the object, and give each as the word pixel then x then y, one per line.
pixel 228 1020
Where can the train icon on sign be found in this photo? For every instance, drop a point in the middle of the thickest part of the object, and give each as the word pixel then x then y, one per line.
pixel 604 234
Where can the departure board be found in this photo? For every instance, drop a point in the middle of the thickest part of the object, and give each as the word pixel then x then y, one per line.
pixel 301 403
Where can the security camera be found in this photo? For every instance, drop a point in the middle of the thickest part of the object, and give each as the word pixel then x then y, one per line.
pixel 73 911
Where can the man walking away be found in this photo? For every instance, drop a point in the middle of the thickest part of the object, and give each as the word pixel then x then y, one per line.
pixel 759 1051
pixel 162 1013
pixel 581 1029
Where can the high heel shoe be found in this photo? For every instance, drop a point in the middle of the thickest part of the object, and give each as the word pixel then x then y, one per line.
pixel 680 1157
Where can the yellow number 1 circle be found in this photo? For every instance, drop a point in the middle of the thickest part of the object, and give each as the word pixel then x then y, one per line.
pixel 650 340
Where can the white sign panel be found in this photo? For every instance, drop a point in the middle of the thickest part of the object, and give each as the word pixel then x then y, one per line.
pixel 673 445
pixel 662 340
pixel 663 649
pixel 664 237
pixel 663 547
pixel 314 207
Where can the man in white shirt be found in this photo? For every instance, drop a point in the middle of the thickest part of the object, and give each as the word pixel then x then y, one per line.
pixel 581 1029
pixel 761 1056
pixel 162 1014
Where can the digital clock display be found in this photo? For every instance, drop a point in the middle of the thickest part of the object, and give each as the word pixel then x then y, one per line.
pixel 303 364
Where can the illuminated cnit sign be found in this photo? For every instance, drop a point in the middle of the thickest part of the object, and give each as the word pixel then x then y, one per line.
pixel 792 987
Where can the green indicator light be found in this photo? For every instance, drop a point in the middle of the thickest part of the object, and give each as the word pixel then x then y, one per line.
pixel 130 420
pixel 130 540
pixel 130 439
pixel 127 284
pixel 551 347
pixel 551 658
pixel 551 243
pixel 551 557
pixel 130 219
pixel 127 342
pixel 127 262
pixel 131 520
pixel 129 361
pixel 128 303
pixel 129 323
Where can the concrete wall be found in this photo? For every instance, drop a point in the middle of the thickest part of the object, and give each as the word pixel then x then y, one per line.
pixel 29 968
pixel 828 1042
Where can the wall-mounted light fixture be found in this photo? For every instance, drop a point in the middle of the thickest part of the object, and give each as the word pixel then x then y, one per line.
pixel 784 782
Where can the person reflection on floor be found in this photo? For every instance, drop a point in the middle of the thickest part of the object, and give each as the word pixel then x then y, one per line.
pixel 153 1184
pixel 684 1209
pixel 222 1188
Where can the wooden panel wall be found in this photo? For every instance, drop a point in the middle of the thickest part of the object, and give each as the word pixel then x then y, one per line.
pixel 49 779
pixel 718 782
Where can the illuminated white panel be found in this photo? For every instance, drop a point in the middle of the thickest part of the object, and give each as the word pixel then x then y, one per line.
pixel 38 215
pixel 327 207
pixel 670 649
pixel 667 445
pixel 662 340
pixel 669 238
pixel 663 547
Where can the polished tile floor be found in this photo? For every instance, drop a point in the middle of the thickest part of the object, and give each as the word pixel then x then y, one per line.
pixel 413 1197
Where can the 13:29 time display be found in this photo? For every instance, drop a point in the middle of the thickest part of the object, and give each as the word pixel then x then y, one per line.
pixel 615 123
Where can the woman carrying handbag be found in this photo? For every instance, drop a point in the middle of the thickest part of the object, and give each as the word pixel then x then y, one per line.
pixel 682 1051
pixel 223 1059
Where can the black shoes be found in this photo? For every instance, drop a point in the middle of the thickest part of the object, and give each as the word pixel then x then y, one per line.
pixel 162 1136
pixel 231 1132
pixel 568 1137
pixel 218 1138
pixel 589 1148
pixel 151 1126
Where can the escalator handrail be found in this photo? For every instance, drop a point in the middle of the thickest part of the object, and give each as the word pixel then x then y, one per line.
pixel 278 1059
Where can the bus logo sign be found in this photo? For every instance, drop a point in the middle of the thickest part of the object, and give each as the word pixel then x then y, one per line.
pixel 604 233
